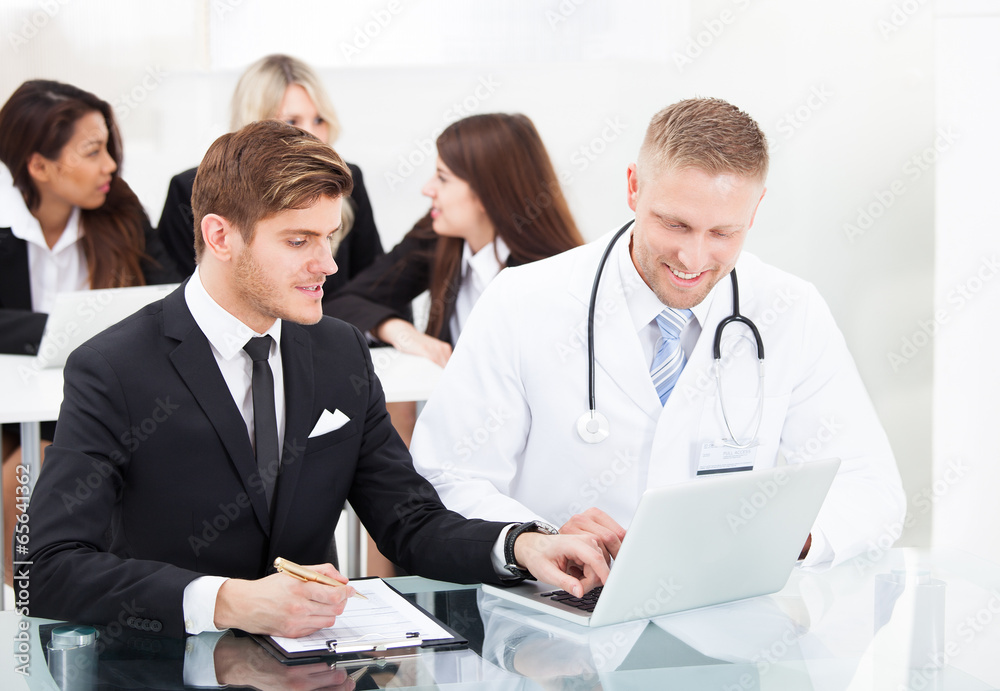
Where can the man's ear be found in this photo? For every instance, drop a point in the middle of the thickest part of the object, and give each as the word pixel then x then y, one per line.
pixel 632 192
pixel 753 216
pixel 218 234
pixel 40 168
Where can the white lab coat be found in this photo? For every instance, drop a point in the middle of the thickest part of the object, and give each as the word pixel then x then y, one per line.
pixel 498 438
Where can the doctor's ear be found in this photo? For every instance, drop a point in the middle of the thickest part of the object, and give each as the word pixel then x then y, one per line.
pixel 219 235
pixel 753 216
pixel 632 191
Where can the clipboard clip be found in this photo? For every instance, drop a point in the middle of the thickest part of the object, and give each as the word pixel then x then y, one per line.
pixel 359 645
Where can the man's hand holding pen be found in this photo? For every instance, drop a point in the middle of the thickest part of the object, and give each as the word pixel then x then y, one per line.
pixel 282 604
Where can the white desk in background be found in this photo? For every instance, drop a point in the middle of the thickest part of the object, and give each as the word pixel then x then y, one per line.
pixel 30 395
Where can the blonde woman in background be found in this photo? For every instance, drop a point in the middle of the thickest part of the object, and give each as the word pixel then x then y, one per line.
pixel 280 87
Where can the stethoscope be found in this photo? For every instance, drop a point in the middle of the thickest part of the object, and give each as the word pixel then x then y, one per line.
pixel 593 427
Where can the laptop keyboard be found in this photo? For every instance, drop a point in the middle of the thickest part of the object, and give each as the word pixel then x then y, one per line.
pixel 585 603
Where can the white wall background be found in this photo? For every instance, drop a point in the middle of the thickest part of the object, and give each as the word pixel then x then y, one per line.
pixel 966 474
pixel 845 91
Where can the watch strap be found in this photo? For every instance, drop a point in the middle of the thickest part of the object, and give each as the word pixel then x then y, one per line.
pixel 508 548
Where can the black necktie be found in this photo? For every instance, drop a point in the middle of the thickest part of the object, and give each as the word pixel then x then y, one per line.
pixel 265 424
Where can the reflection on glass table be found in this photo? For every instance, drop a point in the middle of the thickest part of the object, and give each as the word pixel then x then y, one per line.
pixel 899 620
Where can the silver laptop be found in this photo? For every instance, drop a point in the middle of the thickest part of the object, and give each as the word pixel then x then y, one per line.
pixel 713 539
pixel 79 316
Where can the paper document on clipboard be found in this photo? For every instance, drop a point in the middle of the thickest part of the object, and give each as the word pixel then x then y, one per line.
pixel 384 621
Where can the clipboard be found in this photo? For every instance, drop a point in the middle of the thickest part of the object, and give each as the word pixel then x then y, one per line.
pixel 366 648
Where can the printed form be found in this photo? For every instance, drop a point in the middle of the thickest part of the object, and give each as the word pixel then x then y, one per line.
pixel 385 617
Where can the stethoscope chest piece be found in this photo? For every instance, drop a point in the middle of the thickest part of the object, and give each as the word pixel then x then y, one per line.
pixel 593 427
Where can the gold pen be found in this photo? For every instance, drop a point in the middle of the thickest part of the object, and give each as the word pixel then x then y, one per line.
pixel 304 574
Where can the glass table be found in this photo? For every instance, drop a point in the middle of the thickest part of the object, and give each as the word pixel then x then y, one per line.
pixel 903 619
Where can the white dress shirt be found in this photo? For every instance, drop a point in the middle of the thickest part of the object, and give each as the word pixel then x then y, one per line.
pixel 59 269
pixel 478 271
pixel 227 336
pixel 643 306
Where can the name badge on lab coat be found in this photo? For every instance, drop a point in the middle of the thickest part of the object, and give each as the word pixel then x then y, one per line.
pixel 717 457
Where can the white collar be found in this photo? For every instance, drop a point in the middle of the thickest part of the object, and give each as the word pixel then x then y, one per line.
pixel 642 302
pixel 226 333
pixel 14 214
pixel 484 263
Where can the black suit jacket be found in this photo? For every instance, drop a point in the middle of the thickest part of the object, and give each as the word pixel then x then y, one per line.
pixel 20 328
pixel 152 481
pixel 386 288
pixel 360 248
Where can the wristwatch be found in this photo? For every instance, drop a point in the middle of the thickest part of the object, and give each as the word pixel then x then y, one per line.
pixel 508 545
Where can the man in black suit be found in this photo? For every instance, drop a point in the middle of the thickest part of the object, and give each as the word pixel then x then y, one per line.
pixel 163 502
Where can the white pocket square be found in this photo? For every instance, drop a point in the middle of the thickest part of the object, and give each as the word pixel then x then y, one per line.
pixel 328 422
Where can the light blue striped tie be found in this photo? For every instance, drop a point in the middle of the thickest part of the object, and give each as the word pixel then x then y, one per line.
pixel 669 359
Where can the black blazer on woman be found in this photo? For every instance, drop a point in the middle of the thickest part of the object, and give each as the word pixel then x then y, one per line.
pixel 20 328
pixel 386 288
pixel 360 248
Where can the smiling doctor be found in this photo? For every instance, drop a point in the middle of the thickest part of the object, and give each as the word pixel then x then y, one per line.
pixel 569 427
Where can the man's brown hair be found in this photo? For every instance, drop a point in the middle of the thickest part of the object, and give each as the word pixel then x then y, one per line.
pixel 705 133
pixel 261 170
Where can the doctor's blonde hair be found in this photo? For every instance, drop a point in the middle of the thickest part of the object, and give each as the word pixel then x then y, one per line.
pixel 705 133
